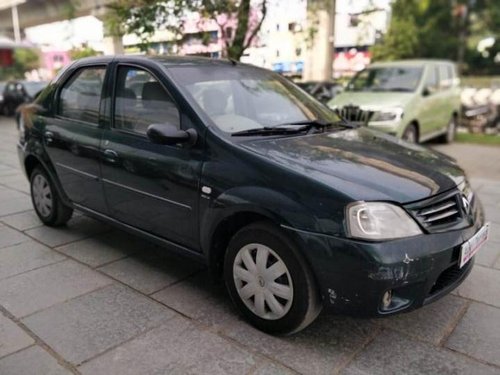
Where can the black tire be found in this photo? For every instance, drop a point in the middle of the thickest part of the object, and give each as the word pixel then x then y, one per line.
pixel 410 134
pixel 305 304
pixel 58 214
pixel 451 131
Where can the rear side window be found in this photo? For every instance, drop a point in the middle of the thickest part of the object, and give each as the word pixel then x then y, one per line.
pixel 81 95
pixel 445 76
pixel 141 100
pixel 431 80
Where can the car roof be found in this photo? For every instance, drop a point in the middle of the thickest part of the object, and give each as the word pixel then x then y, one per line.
pixel 412 62
pixel 164 59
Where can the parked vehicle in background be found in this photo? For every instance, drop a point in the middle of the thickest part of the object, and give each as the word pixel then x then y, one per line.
pixel 16 93
pixel 2 88
pixel 238 168
pixel 412 99
pixel 324 91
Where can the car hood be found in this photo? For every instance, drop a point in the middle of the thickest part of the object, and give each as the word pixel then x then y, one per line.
pixel 364 164
pixel 372 99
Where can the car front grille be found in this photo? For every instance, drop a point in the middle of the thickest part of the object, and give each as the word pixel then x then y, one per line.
pixel 355 114
pixel 443 212
pixel 446 211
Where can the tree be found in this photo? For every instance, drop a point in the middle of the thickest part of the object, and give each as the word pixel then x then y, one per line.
pixel 144 17
pixel 440 29
pixel 25 59
pixel 84 51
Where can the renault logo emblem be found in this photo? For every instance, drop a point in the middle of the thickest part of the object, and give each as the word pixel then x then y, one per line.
pixel 466 204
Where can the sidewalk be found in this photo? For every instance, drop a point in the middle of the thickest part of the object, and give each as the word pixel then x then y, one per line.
pixel 94 300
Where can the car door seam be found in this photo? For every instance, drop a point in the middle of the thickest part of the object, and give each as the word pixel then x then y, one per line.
pixel 94 177
pixel 147 194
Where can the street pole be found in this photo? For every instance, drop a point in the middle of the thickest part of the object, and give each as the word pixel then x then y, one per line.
pixel 330 47
pixel 15 24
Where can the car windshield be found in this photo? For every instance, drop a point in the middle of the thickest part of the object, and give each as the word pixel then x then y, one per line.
pixel 239 98
pixel 394 78
pixel 33 88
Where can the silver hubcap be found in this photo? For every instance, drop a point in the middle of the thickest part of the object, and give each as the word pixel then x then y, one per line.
pixel 263 282
pixel 42 195
pixel 410 136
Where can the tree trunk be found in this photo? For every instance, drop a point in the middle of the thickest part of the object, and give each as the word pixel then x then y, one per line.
pixel 237 47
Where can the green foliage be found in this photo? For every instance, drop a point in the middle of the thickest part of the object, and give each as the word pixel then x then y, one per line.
pixel 144 17
pixel 441 29
pixel 80 53
pixel 25 59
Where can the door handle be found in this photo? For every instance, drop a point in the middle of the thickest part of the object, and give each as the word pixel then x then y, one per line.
pixel 111 155
pixel 49 137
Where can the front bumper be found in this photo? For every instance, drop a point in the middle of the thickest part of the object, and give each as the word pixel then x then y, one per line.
pixel 354 275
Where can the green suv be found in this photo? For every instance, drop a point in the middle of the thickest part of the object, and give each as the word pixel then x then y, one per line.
pixel 412 99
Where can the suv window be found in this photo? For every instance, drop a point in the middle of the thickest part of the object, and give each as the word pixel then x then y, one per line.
pixel 445 76
pixel 431 81
pixel 141 100
pixel 81 95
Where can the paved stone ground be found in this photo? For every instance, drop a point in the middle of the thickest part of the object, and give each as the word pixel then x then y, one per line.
pixel 93 300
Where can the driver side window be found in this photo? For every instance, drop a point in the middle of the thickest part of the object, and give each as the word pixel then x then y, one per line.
pixel 141 100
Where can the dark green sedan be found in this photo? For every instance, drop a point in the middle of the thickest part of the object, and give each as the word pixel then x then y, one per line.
pixel 238 168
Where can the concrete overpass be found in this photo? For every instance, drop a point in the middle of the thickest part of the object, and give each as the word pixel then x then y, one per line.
pixel 39 12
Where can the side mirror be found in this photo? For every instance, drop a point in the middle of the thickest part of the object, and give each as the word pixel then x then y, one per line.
pixel 168 134
pixel 428 90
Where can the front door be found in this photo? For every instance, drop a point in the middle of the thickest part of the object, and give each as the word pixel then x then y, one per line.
pixel 149 186
pixel 72 137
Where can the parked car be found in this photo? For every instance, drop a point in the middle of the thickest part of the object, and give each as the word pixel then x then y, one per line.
pixel 416 100
pixel 2 88
pixel 16 93
pixel 235 167
pixel 324 91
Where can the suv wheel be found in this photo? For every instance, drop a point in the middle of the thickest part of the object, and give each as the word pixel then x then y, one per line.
pixel 451 130
pixel 268 280
pixel 46 201
pixel 410 134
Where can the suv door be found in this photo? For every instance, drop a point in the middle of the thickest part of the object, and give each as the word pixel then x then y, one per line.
pixel 149 186
pixel 449 93
pixel 72 136
pixel 431 102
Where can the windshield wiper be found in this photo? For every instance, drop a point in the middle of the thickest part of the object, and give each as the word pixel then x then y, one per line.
pixel 279 130
pixel 322 124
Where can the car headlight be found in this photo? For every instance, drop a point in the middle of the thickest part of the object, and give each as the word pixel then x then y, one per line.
pixel 390 114
pixel 379 221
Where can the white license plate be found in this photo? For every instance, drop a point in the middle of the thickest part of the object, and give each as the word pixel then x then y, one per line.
pixel 473 245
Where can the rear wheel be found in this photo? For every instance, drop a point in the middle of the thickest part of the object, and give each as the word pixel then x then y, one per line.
pixel 410 134
pixel 451 130
pixel 268 280
pixel 46 201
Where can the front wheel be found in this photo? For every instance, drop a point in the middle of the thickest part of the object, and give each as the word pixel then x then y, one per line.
pixel 46 201
pixel 410 134
pixel 269 281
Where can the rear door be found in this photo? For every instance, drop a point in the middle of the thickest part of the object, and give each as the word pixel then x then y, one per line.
pixel 149 186
pixel 431 102
pixel 72 136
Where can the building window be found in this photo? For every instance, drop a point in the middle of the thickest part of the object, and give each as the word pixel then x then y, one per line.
pixel 277 53
pixel 277 27
pixel 298 51
pixel 229 32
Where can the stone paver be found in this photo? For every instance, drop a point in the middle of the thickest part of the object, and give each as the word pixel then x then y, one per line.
pixel 478 334
pixel 88 325
pixel 31 361
pixel 12 338
pixel 22 221
pixel 488 254
pixel 10 237
pixel 78 227
pixel 320 349
pixel 38 289
pixel 482 285
pixel 24 257
pixel 193 351
pixel 150 275
pixel 104 248
pixel 391 353
pixel 430 323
